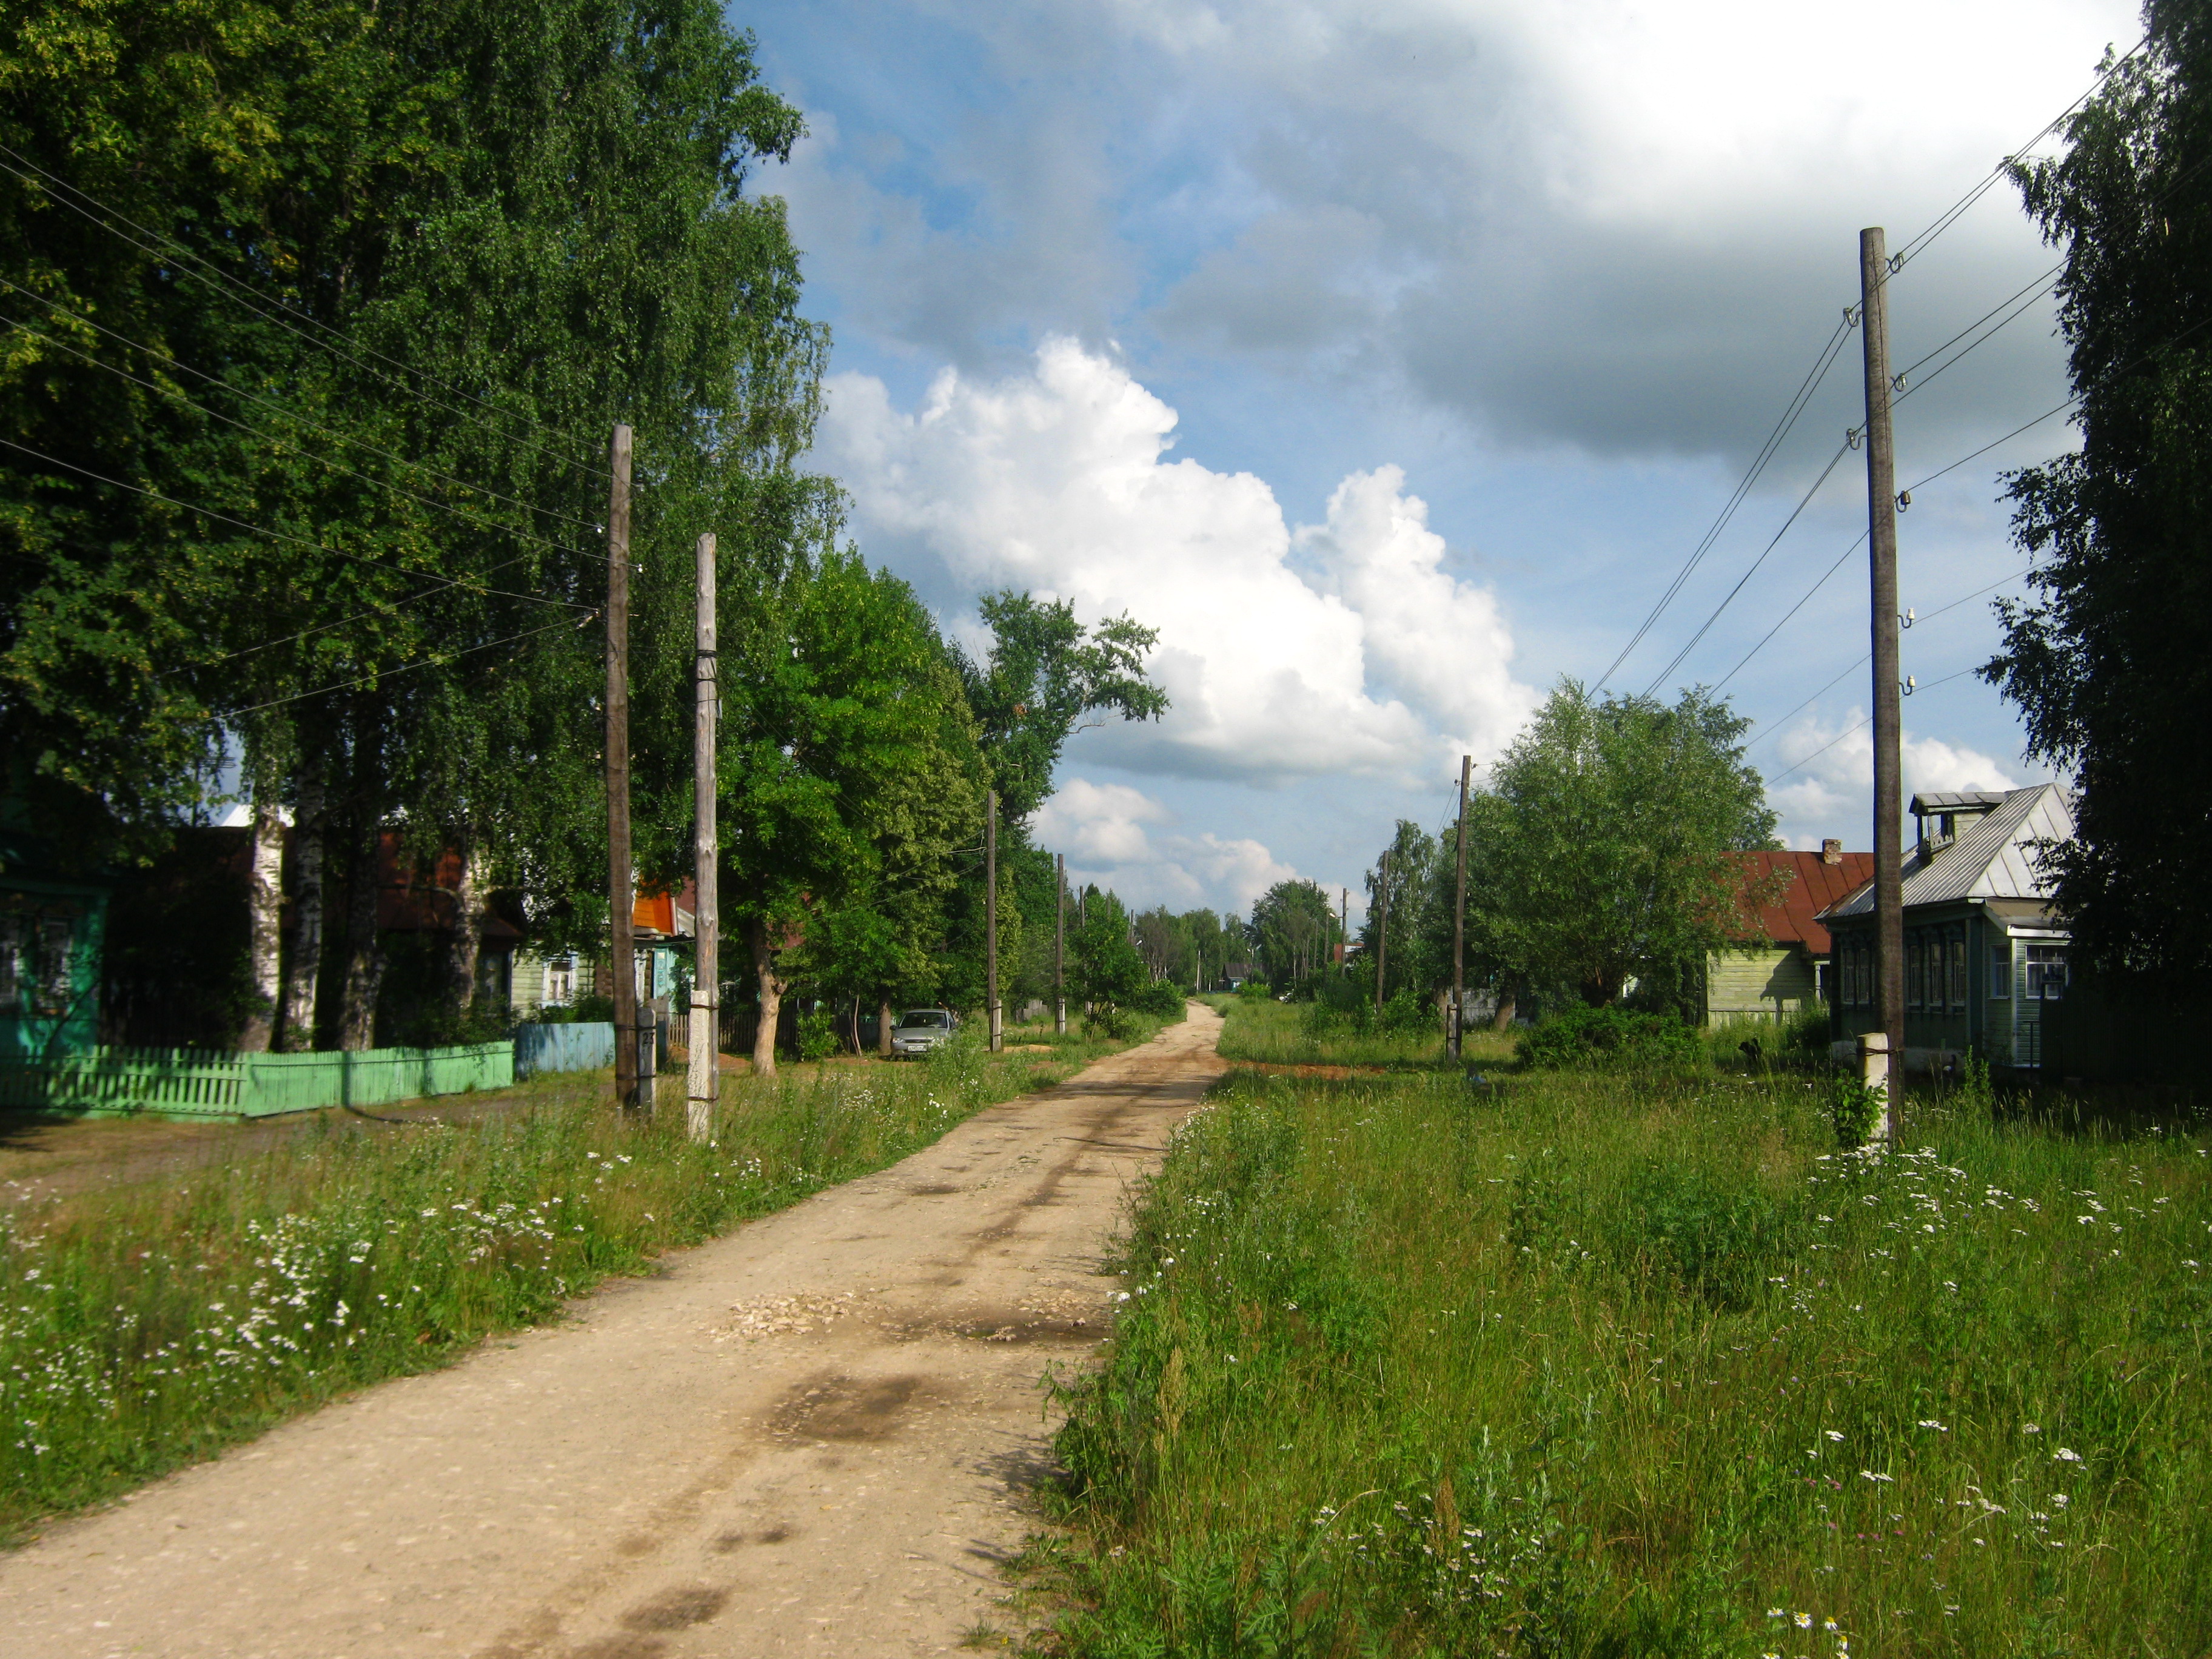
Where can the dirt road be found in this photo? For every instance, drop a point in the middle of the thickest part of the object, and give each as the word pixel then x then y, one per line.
pixel 812 1436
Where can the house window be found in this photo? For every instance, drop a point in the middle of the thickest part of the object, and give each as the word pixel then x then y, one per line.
pixel 560 982
pixel 1955 955
pixel 1916 970
pixel 2046 973
pixel 2000 971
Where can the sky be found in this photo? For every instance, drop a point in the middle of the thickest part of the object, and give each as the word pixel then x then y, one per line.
pixel 1393 360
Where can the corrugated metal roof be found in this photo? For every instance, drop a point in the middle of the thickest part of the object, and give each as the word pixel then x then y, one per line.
pixel 1994 857
pixel 1814 885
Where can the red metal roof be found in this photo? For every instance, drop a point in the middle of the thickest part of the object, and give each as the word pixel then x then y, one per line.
pixel 1814 886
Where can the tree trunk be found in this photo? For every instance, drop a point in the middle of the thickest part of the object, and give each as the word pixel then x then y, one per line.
pixel 1503 1021
pixel 364 946
pixel 884 1029
pixel 303 973
pixel 265 916
pixel 772 988
pixel 465 943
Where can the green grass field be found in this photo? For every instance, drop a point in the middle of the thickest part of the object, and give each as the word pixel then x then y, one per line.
pixel 145 1326
pixel 1600 1364
pixel 1264 1032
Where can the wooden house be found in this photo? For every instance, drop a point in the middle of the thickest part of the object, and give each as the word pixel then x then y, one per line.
pixel 1781 964
pixel 1985 949
pixel 52 927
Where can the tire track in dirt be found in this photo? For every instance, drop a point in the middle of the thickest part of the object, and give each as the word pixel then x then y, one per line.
pixel 815 1435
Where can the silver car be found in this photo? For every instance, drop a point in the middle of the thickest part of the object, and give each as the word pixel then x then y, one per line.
pixel 921 1030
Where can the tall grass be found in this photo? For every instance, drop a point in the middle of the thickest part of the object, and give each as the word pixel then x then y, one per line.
pixel 144 1327
pixel 1606 1365
pixel 1310 1033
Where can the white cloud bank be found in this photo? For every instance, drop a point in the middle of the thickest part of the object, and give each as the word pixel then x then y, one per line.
pixel 1122 839
pixel 1833 794
pixel 1342 649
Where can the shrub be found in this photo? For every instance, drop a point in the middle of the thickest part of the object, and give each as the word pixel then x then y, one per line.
pixel 1611 1036
pixel 1854 1109
pixel 818 1035
pixel 1162 999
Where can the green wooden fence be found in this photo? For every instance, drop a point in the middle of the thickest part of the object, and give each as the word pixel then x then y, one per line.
pixel 197 1082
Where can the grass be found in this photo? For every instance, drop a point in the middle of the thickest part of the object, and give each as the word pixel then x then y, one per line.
pixel 1267 1032
pixel 1594 1364
pixel 146 1325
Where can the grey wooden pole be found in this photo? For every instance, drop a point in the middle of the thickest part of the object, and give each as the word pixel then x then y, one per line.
pixel 622 946
pixel 991 916
pixel 1454 1025
pixel 1382 930
pixel 1059 945
pixel 705 1083
pixel 1880 1068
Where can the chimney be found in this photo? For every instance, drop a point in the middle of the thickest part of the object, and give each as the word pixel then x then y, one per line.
pixel 1831 852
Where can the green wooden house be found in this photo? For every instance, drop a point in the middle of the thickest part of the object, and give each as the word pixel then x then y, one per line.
pixel 1985 950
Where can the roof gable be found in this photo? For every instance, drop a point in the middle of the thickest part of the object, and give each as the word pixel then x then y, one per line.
pixel 1994 857
pixel 1814 884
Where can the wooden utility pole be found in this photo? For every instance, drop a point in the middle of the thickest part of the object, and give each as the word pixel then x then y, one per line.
pixel 1059 945
pixel 1452 1026
pixel 621 948
pixel 1382 930
pixel 705 1083
pixel 1343 930
pixel 1877 1061
pixel 991 916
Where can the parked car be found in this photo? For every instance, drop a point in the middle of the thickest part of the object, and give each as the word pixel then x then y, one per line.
pixel 921 1030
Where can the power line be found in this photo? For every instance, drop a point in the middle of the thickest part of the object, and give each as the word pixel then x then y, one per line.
pixel 283 535
pixel 1782 427
pixel 250 300
pixel 1950 215
pixel 1803 501
pixel 284 444
pixel 1840 736
pixel 62 311
pixel 435 660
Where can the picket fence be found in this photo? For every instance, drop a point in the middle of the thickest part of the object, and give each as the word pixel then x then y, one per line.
pixel 200 1082
pixel 582 1047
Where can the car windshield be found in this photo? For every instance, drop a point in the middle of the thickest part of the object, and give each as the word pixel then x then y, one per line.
pixel 924 1017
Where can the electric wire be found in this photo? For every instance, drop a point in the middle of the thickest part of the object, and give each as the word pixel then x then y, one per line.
pixel 1803 501
pixel 1781 429
pixel 248 299
pixel 284 536
pixel 64 313
pixel 1860 726
pixel 284 444
pixel 436 660
pixel 1918 244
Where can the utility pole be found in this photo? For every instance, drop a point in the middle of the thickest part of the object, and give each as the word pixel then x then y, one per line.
pixel 622 947
pixel 1452 1026
pixel 991 916
pixel 1879 1061
pixel 1382 930
pixel 1059 945
pixel 1343 930
pixel 705 1084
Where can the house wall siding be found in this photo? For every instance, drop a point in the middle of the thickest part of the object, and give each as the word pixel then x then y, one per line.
pixel 1766 983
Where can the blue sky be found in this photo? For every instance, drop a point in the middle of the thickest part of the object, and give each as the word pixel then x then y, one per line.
pixel 1392 358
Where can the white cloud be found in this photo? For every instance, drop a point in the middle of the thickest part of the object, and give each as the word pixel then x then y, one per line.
pixel 1833 794
pixel 1059 481
pixel 1106 828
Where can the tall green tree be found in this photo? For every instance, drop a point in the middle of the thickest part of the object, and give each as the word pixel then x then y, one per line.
pixel 1293 931
pixel 1599 850
pixel 1045 678
pixel 2108 662
pixel 1409 964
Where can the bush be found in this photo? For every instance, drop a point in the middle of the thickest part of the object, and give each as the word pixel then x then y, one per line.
pixel 1854 1109
pixel 1163 1000
pixel 1611 1036
pixel 818 1035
